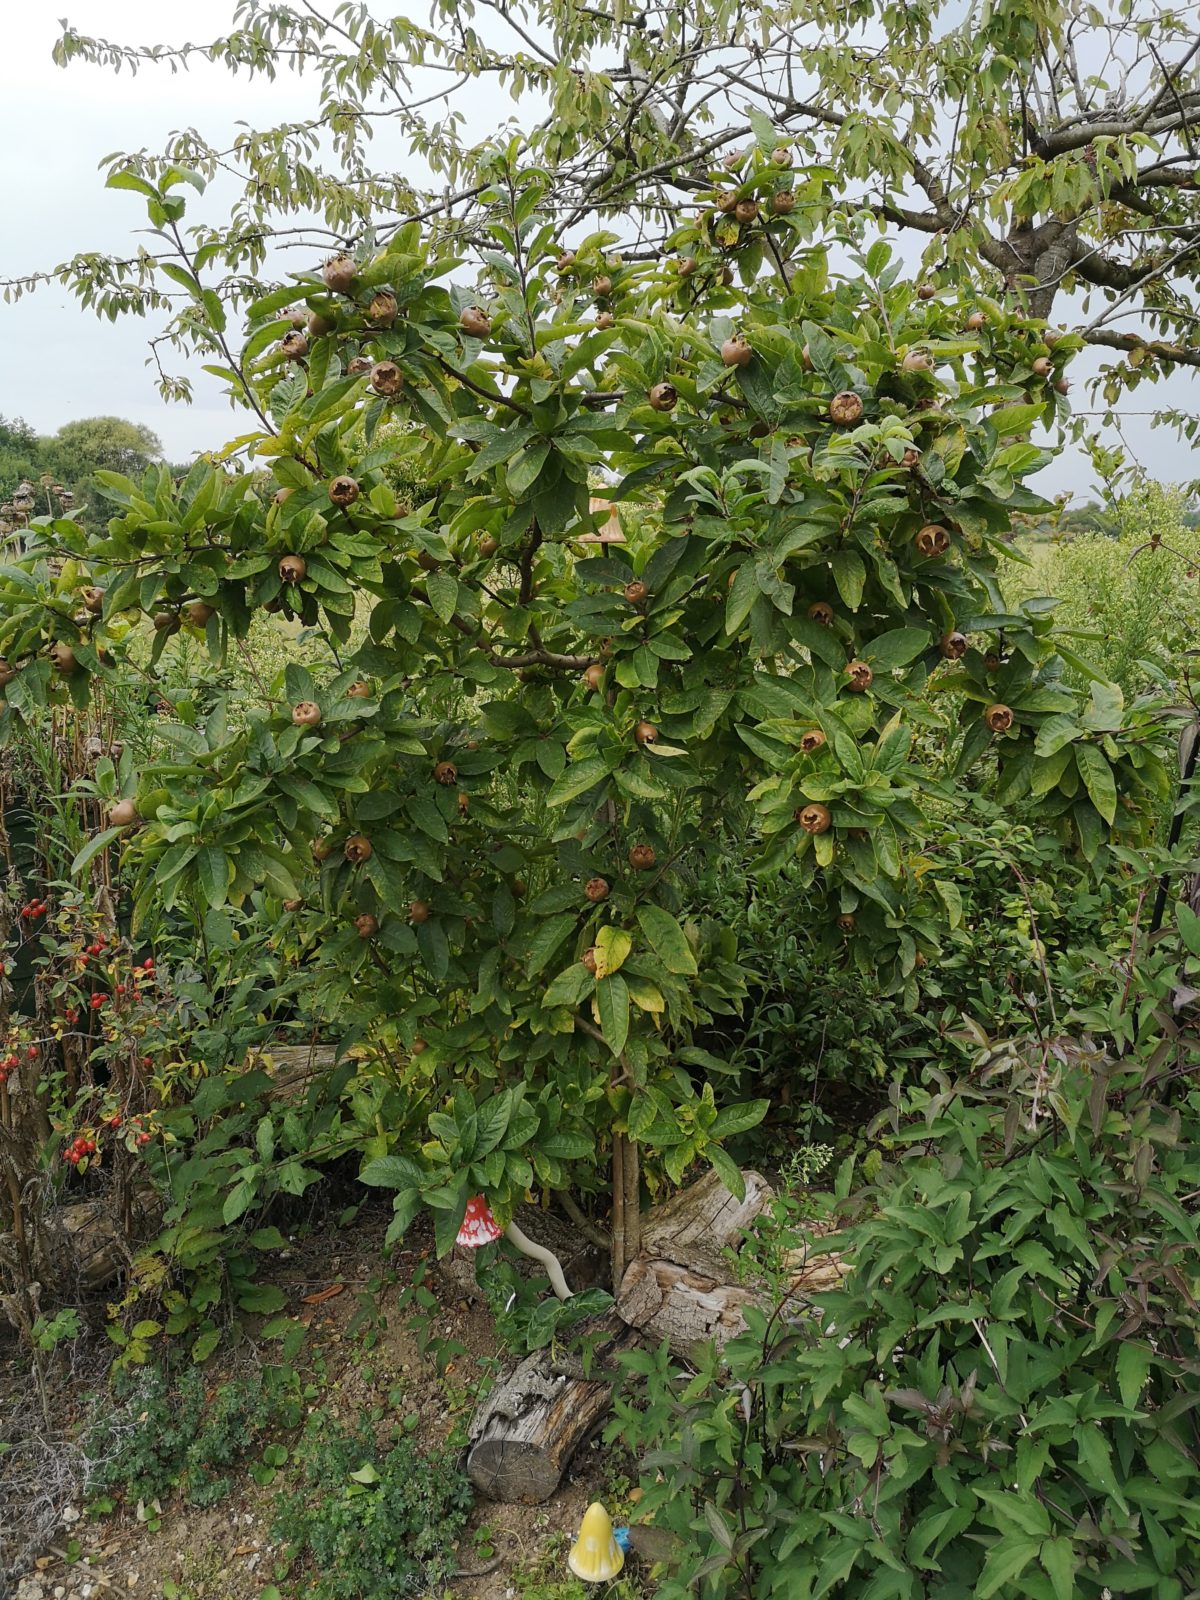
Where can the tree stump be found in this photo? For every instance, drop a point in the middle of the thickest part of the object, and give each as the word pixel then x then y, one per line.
pixel 529 1427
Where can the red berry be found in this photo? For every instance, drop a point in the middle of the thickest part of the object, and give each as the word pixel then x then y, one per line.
pixel 32 1052
pixel 114 1121
pixel 148 964
pixel 97 1001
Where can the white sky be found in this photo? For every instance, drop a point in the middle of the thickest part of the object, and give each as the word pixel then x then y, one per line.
pixel 60 362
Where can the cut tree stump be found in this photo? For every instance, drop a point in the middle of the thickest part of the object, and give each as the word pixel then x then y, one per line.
pixel 677 1289
pixel 529 1427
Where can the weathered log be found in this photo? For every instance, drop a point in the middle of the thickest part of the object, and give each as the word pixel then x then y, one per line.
pixel 530 1426
pixel 294 1066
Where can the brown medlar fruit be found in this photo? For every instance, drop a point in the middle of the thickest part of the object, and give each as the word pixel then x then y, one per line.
pixel 976 321
pixel 339 273
pixel 783 202
pixel 93 599
pixel 593 676
pixel 445 773
pixel 306 714
pixel 917 361
pixel 1042 367
pixel 386 378
pixel 292 569
pixel 294 345
pixel 167 622
pixel 821 612
pixel 642 857
pixel 343 490
pixel 602 286
pixel 932 539
pixel 198 613
pixel 846 408
pixel 646 733
pixel 926 291
pixel 727 202
pixel 846 922
pixel 636 592
pixel 811 740
pixel 605 320
pixel 953 645
pixel 589 959
pixel 737 352
pixel 999 718
pixel 860 675
pixel 418 911
pixel 383 309
pixel 366 926
pixel 475 322
pixel 596 889
pixel 746 210
pixel 357 848
pixel 663 397
pixel 123 815
pixel 814 818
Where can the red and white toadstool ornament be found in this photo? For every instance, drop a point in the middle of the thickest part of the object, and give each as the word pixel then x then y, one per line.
pixel 479 1226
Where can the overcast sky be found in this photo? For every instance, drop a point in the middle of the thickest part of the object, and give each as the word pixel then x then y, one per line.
pixel 60 362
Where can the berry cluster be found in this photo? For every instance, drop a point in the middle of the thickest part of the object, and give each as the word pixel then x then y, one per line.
pixel 79 1148
pixel 33 910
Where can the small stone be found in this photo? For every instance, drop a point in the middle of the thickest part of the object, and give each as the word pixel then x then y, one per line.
pixel 70 1514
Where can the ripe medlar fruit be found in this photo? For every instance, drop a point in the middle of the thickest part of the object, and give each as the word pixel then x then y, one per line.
pixel 846 408
pixel 596 889
pixel 488 546
pixel 783 202
pixel 999 718
pixel 292 569
pixel 910 458
pixel 7 673
pixel 383 309
pixel 746 210
pixel 602 286
pixel 846 922
pixel 642 857
pixel 821 612
pixel 357 848
pixel 386 378
pixel 360 689
pixel 1063 386
pixel 294 345
pixel 663 397
pixel 123 815
pixel 860 675
pixel 358 365
pixel 727 202
pixel 339 273
pixel 953 645
pixel 445 773
pixel 687 265
pixel 926 291
pixel 292 905
pixel 605 320
pixel 781 156
pixel 366 926
pixel 418 911
pixel 814 818
pixel 306 714
pixel 343 490
pixel 475 322
pixel 1042 367
pixel 932 539
pixel 917 361
pixel 811 741
pixel 737 352
pixel 565 261
pixel 198 613
pixel 167 622
pixel 636 592
pixel 589 959
pixel 93 599
pixel 593 677
pixel 976 321
pixel 319 326
pixel 646 733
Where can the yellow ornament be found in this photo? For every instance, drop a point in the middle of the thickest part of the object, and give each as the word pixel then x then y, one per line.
pixel 596 1556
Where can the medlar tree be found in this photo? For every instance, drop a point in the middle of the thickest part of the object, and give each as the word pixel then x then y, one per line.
pixel 512 776
pixel 1044 152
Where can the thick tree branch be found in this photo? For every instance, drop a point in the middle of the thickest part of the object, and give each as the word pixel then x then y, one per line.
pixel 1159 348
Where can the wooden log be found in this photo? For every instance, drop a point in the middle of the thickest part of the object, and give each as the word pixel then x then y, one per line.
pixel 524 1435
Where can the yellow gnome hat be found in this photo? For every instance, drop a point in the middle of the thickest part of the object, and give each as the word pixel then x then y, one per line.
pixel 596 1556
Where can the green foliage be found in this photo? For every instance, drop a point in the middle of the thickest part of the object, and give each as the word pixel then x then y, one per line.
pixel 164 1430
pixel 1006 1377
pixel 372 1521
pixel 71 458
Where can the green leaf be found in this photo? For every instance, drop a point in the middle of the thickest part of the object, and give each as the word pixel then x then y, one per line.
pixel 442 589
pixel 1098 779
pixel 1133 1368
pixel 666 939
pixel 850 575
pixel 612 1007
pixel 205 1344
pixel 1058 1559
pixel 727 1170
pixel 612 946
pixel 93 848
pixel 1006 1561
pixel 896 649
pixel 216 873
pixel 579 777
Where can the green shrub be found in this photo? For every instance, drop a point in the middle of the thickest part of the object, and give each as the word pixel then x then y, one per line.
pixel 999 1400
pixel 373 1522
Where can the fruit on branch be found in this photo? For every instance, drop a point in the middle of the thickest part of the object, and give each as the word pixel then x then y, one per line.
pixel 123 815
pixel 198 613
pixel 605 320
pixel 360 689
pixel 846 922
pixel 339 273
pixel 322 848
pixel 910 458
pixel 926 291
pixel 783 202
pixel 642 857
pixel 999 718
pixel 953 646
pixel 357 848
pixel 386 378
pixel 602 286
pixel 93 599
pixel 282 496
pixel 1063 386
pixel 976 321
pixel 932 539
pixel 565 261
pixel 860 676
pixel 1042 367
pixel 687 266
pixel 367 926
pixel 428 563
pixel 596 889
pixel 294 345
pixel 62 658
pixel 475 322
pixel 319 326
pixel 746 210
pixel 781 156
pixel 727 202
pixel 589 960
pixel 292 569
pixel 646 733
pixel 737 352
pixel 383 309
pixel 992 662
pixel 167 622
pixel 306 714
pixel 293 905
pixel 445 773
pixel 343 490
pixel 822 613
pixel 593 676
pixel 418 1047
pixel 846 408
pixel 811 740
pixel 7 673
pixel 663 397
pixel 917 361
pixel 814 818
pixel 636 592
pixel 358 365
pixel 488 546
pixel 418 912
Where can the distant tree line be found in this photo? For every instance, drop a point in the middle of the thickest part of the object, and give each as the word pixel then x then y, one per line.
pixel 72 456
